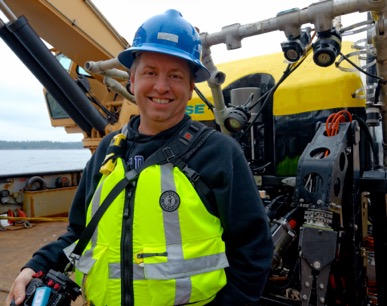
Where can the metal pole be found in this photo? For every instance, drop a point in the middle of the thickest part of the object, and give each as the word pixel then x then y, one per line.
pixel 7 11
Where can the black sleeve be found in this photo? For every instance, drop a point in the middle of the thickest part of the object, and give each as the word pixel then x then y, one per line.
pixel 51 256
pixel 249 246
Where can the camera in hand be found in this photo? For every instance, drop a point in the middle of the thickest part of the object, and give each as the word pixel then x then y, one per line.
pixel 51 289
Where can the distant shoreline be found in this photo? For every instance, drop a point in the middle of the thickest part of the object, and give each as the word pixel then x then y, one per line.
pixel 40 145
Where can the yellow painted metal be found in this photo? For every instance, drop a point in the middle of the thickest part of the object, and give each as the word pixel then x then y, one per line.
pixel 76 28
pixel 309 88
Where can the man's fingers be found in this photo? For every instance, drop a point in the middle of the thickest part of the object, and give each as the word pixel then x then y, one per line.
pixel 17 293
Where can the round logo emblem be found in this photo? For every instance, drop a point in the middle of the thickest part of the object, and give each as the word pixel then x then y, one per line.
pixel 169 201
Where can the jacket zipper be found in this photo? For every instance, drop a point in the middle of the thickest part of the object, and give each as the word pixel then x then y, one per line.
pixel 126 250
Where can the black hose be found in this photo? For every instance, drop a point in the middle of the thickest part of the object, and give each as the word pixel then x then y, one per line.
pixel 34 45
pixel 20 51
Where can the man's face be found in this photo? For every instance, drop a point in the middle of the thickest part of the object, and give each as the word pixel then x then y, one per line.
pixel 162 86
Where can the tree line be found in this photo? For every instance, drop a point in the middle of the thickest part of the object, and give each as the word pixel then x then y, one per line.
pixel 39 145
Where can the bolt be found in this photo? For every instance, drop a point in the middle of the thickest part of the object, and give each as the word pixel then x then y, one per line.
pixel 317 265
pixel 307 284
pixel 321 286
pixel 322 300
pixel 304 297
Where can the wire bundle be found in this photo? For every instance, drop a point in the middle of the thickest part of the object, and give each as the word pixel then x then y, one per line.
pixel 333 121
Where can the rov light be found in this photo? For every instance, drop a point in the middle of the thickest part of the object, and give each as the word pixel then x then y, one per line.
pixel 295 48
pixel 237 119
pixel 327 47
pixel 4 194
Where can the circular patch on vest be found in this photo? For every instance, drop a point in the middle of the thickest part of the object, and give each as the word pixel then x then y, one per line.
pixel 169 201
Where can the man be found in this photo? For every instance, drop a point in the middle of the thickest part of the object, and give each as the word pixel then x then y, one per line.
pixel 161 242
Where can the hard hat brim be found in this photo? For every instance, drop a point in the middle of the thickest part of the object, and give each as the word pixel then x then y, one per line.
pixel 127 56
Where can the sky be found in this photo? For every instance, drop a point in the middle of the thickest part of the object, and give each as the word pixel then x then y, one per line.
pixel 24 115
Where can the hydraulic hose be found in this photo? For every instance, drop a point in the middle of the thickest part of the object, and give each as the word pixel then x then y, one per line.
pixel 30 62
pixel 34 45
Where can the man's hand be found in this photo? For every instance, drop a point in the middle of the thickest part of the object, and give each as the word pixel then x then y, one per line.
pixel 17 292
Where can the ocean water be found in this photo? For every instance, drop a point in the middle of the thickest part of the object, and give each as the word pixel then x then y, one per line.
pixel 31 161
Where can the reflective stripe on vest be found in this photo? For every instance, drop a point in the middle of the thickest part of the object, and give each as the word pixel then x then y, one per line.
pixel 100 284
pixel 86 261
pixel 179 256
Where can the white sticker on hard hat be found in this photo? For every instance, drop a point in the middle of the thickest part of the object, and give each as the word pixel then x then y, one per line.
pixel 168 36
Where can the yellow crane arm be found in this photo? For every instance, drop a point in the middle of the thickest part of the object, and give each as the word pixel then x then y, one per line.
pixel 77 28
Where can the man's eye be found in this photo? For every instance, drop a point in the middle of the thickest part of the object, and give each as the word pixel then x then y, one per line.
pixel 176 76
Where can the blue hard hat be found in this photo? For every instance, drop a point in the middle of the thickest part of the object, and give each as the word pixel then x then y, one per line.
pixel 168 33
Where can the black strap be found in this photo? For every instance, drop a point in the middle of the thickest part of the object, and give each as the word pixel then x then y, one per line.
pixel 203 190
pixel 89 230
pixel 188 141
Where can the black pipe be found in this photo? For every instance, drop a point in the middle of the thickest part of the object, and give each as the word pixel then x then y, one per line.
pixel 19 50
pixel 31 41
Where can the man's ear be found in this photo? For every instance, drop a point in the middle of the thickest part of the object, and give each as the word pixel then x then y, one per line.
pixel 131 82
pixel 191 90
pixel 128 87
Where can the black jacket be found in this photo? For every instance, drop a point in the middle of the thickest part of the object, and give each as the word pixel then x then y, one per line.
pixel 221 164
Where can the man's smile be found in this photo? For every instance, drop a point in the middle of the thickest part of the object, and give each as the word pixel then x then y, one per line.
pixel 160 101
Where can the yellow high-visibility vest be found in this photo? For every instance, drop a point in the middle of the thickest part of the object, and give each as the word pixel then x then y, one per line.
pixel 177 249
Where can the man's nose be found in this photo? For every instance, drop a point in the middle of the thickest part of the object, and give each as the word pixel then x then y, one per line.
pixel 162 83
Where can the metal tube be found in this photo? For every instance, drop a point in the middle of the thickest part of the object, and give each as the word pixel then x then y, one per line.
pixel 317 13
pixel 102 66
pixel 118 88
pixel 30 40
pixel 380 42
pixel 321 14
pixel 7 11
pixel 116 73
pixel 17 47
pixel 216 79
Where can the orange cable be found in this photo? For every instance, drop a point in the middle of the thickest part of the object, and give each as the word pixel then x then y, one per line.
pixel 333 122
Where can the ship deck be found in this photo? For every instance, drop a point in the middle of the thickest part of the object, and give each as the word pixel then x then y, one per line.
pixel 17 246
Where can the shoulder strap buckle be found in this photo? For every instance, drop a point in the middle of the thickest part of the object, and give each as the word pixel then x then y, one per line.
pixel 168 153
pixel 192 175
